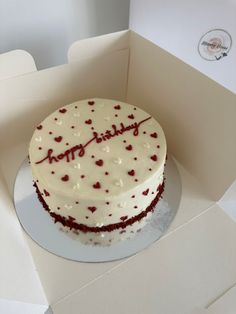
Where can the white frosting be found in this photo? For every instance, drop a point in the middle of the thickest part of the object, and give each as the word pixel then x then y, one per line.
pixel 114 169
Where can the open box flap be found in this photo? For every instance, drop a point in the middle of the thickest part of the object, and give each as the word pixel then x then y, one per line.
pixel 178 26
pixel 197 114
pixel 98 46
pixel 18 277
pixel 185 269
pixel 15 63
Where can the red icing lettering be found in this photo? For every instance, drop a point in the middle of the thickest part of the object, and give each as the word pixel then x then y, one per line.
pixel 69 154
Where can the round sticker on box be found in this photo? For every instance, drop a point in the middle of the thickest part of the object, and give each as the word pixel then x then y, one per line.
pixel 215 45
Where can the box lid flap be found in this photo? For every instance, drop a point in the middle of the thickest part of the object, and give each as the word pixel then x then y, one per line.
pixel 16 62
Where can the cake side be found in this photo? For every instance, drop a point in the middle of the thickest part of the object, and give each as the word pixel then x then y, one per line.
pixel 98 161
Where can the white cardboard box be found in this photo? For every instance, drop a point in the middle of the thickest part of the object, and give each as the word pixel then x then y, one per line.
pixel 189 268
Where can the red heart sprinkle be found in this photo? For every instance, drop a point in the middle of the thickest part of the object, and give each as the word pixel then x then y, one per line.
pixel 154 157
pixel 63 110
pixel 89 121
pixel 97 185
pixel 46 193
pixel 146 192
pixel 58 139
pixel 117 107
pixel 129 147
pixel 65 178
pixel 131 116
pixel 39 127
pixel 92 208
pixel 123 218
pixel 99 162
pixel 153 135
pixel 131 172
pixel 91 102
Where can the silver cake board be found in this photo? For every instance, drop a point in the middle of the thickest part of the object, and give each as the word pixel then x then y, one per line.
pixel 40 227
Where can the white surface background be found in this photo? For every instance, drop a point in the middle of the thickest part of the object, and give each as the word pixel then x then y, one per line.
pixel 177 26
pixel 46 29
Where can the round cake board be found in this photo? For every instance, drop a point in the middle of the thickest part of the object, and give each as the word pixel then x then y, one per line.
pixel 40 227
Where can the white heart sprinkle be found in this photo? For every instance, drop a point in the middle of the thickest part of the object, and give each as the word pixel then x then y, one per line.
pixel 77 114
pixel 59 122
pixel 77 166
pixel 117 160
pixel 102 235
pixel 76 187
pixel 38 139
pixel 101 105
pixel 146 145
pixel 105 149
pixel 107 118
pixel 119 183
pixel 68 206
pixel 122 204
pixel 99 224
pixel 77 134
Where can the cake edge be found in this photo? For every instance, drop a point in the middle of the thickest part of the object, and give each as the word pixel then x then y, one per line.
pixel 71 224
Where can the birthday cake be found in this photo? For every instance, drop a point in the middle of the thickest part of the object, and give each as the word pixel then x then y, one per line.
pixel 98 165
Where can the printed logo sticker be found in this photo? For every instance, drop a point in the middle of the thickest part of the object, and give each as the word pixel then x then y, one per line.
pixel 215 45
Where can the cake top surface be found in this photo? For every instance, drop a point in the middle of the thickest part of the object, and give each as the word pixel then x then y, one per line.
pixel 97 147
